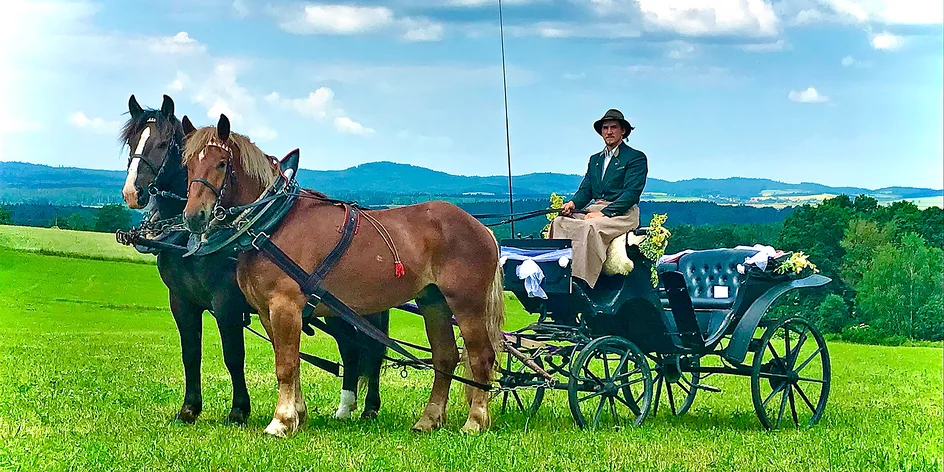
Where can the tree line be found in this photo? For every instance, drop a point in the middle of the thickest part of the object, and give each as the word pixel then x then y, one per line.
pixel 106 219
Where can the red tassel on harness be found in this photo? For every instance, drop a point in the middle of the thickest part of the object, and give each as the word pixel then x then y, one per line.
pixel 398 269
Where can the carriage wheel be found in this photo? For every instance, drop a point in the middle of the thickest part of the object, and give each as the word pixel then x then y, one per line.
pixel 791 374
pixel 679 385
pixel 610 380
pixel 515 373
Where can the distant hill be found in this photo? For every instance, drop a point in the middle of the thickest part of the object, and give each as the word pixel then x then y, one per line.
pixel 386 182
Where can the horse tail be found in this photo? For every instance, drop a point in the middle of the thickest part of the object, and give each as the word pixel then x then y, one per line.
pixel 495 312
pixel 494 322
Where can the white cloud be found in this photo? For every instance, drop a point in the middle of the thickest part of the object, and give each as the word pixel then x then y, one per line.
pixel 697 18
pixel 886 41
pixel 482 3
pixel 241 8
pixel 422 30
pixel 179 82
pixel 810 95
pixel 220 107
pixel 850 61
pixel 350 20
pixel 561 30
pixel 180 43
pixel 347 125
pixel 221 92
pixel 317 104
pixel 336 19
pixel 780 45
pixel 99 125
pixel 895 12
pixel 680 49
pixel 320 105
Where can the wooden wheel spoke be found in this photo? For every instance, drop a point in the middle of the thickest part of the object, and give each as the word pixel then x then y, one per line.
pixel 783 405
pixel 793 408
pixel 634 409
pixel 809 359
pixel 596 416
pixel 773 351
pixel 592 395
pixel 518 399
pixel 806 379
pixel 792 357
pixel 805 398
pixel 613 410
pixel 668 389
pixel 772 394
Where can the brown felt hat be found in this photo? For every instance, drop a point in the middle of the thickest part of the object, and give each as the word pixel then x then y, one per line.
pixel 613 115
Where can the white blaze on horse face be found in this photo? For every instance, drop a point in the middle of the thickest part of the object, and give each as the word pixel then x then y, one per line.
pixel 129 192
pixel 143 140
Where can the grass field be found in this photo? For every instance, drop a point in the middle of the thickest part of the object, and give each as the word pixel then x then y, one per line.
pixel 90 378
pixel 82 244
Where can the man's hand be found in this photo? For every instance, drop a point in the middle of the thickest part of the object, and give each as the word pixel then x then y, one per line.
pixel 567 208
pixel 594 214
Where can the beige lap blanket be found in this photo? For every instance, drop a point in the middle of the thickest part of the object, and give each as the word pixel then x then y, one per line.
pixel 590 238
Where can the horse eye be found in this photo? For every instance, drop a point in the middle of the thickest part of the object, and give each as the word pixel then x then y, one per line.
pixel 221 165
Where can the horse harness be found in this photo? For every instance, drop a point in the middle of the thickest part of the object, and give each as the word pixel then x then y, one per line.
pixel 263 216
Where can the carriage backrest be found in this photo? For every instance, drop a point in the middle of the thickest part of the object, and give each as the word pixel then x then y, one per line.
pixel 712 277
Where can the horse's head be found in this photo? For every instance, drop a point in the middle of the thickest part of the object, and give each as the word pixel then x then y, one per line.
pixel 155 141
pixel 224 169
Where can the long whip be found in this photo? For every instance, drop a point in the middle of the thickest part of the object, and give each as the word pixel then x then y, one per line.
pixel 511 199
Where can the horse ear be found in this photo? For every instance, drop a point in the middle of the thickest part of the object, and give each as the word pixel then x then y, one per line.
pixel 167 108
pixel 222 128
pixel 134 108
pixel 188 126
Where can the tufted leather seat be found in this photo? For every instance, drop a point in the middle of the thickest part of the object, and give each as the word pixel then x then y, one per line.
pixel 707 271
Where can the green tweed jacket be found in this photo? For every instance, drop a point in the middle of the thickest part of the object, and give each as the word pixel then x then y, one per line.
pixel 622 186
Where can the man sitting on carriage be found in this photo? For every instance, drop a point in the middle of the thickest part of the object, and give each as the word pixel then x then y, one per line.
pixel 606 205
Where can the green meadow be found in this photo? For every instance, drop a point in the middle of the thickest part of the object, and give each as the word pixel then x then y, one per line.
pixel 91 378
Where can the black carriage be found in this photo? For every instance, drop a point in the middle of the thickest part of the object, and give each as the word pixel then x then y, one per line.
pixel 617 348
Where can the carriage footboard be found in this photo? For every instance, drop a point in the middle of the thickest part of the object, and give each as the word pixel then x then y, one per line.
pixel 737 349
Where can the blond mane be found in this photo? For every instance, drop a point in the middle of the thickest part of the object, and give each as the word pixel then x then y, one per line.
pixel 253 161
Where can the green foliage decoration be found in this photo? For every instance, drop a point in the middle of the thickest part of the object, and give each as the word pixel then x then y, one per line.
pixel 653 247
pixel 557 201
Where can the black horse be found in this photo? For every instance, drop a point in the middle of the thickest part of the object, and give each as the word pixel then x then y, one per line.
pixel 157 181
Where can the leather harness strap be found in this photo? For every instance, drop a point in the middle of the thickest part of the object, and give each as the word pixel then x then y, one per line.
pixel 311 285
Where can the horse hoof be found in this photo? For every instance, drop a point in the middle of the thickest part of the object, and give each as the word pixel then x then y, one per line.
pixel 369 414
pixel 472 427
pixel 188 413
pixel 426 424
pixel 238 416
pixel 278 429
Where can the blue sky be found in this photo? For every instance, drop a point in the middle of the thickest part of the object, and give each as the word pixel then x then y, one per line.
pixel 840 92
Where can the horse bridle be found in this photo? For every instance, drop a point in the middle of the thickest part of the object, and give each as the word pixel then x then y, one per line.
pixel 153 189
pixel 219 212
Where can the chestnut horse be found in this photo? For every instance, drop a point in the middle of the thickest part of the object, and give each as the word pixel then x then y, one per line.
pixel 450 263
pixel 156 141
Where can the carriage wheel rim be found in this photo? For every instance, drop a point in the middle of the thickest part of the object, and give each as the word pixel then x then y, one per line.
pixel 614 390
pixel 788 376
